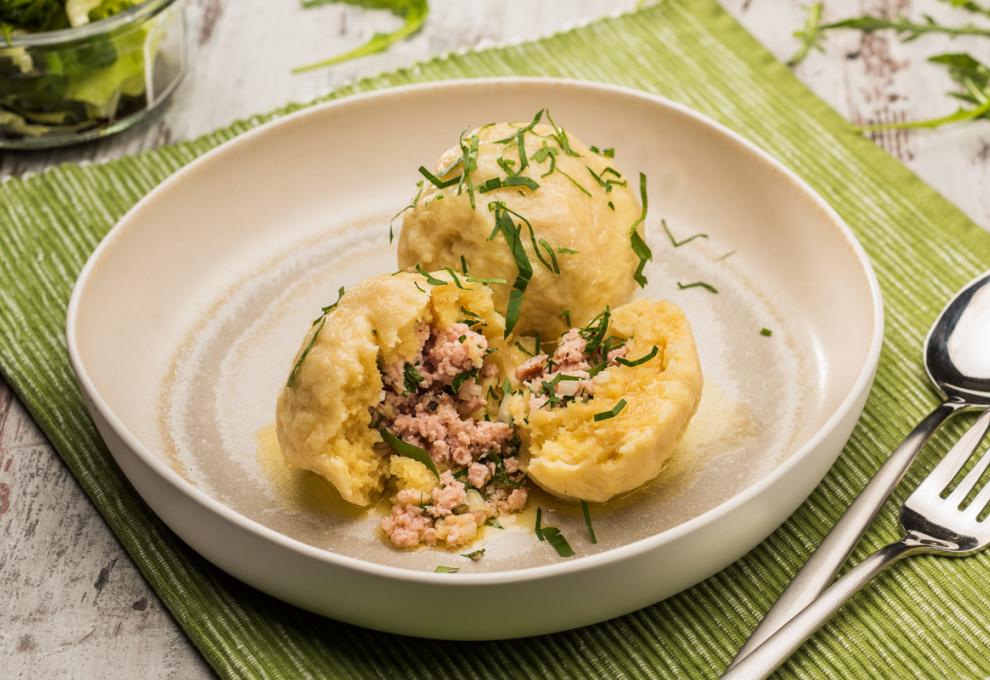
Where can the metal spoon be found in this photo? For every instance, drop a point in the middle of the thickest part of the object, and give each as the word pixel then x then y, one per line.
pixel 957 359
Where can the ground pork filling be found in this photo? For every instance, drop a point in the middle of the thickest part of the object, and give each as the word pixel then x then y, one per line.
pixel 568 373
pixel 436 403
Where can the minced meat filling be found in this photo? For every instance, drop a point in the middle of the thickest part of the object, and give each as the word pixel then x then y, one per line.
pixel 567 374
pixel 434 403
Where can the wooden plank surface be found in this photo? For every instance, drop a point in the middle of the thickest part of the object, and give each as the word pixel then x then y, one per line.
pixel 72 605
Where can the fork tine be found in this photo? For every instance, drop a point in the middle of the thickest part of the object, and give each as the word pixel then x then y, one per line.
pixel 955 459
pixel 973 477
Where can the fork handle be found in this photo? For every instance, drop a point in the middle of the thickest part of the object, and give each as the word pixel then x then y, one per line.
pixel 823 564
pixel 764 659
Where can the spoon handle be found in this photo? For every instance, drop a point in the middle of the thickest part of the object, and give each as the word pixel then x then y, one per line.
pixel 823 564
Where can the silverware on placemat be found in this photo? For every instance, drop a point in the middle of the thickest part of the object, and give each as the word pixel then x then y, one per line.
pixel 932 524
pixel 957 359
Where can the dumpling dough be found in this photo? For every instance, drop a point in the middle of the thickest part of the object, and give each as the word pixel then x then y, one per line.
pixel 573 456
pixel 442 226
pixel 323 419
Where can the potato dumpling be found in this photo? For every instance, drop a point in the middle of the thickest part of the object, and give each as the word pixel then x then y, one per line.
pixel 642 409
pixel 324 413
pixel 580 211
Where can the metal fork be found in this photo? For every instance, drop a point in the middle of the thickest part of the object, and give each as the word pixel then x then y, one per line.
pixel 931 523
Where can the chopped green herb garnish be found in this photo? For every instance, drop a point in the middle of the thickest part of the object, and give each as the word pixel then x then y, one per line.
pixel 522 349
pixel 492 522
pixel 513 237
pixel 430 279
pixel 436 181
pixel 557 540
pixel 510 181
pixel 698 284
pixel 605 182
pixel 560 136
pixel 642 360
pixel 411 378
pixel 446 570
pixel 412 204
pixel 538 528
pixel 464 267
pixel 470 154
pixel 461 378
pixel 766 332
pixel 587 521
pixel 453 275
pixel 727 255
pixel 487 282
pixel 523 130
pixel 612 412
pixel 639 246
pixel 566 316
pixel 475 555
pixel 608 152
pixel 575 183
pixel 506 387
pixel 561 250
pixel 319 322
pixel 611 206
pixel 408 450
pixel 673 241
pixel 418 287
pixel 594 332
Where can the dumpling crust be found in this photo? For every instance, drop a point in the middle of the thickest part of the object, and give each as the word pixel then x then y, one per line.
pixel 443 226
pixel 323 420
pixel 573 456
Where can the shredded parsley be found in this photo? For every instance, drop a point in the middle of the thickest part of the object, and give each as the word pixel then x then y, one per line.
pixel 557 541
pixel 436 181
pixel 587 521
pixel 509 182
pixel 492 522
pixel 673 241
pixel 523 130
pixel 594 332
pixel 430 279
pixel 453 275
pixel 408 450
pixel 461 378
pixel 464 267
pixel 766 332
pixel 639 246
pixel 446 570
pixel 612 412
pixel 642 360
pixel 411 378
pixel 412 204
pixel 698 284
pixel 566 316
pixel 560 136
pixel 319 322
pixel 538 527
pixel 606 183
pixel 474 555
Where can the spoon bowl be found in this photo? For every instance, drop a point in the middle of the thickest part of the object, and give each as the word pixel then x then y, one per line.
pixel 957 350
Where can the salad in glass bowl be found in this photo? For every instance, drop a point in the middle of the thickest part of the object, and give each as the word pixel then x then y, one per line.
pixel 73 70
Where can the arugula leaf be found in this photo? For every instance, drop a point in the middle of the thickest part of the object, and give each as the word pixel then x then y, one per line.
pixel 973 79
pixel 412 12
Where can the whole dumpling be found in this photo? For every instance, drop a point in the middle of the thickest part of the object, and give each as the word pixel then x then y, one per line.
pixel 324 416
pixel 580 211
pixel 642 409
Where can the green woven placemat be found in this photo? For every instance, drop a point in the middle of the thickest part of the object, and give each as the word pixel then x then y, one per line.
pixel 928 619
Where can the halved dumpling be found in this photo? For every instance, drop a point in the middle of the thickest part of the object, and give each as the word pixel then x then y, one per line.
pixel 601 414
pixel 342 388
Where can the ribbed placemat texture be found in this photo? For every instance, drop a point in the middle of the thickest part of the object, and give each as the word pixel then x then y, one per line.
pixel 928 617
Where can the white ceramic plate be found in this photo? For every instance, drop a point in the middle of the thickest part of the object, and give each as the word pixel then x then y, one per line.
pixel 183 325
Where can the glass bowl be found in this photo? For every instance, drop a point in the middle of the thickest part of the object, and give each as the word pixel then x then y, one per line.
pixel 77 84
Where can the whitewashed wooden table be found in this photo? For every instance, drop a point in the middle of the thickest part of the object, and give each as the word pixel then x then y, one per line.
pixel 72 605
